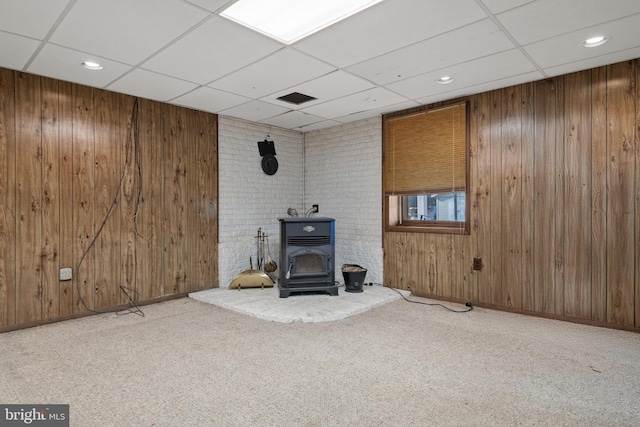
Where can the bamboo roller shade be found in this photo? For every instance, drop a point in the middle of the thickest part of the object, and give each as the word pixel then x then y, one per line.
pixel 426 152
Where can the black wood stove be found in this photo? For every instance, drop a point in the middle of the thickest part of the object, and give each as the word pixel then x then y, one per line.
pixel 307 254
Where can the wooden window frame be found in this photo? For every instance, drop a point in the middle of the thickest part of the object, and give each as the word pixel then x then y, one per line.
pixel 392 204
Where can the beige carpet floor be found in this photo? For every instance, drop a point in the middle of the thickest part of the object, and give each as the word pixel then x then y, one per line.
pixel 188 363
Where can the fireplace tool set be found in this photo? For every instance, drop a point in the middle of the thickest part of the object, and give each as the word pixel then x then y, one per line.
pixel 257 278
pixel 262 239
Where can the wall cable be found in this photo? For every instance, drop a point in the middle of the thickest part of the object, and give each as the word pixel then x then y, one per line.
pixel 132 294
pixel 469 305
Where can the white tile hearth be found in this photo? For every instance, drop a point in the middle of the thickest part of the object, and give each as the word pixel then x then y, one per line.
pixel 266 303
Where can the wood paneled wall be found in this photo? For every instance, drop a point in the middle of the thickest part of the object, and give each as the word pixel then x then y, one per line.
pixel 71 156
pixel 555 204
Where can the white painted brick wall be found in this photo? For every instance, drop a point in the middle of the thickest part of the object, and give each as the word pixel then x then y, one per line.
pixel 343 175
pixel 250 199
pixel 342 172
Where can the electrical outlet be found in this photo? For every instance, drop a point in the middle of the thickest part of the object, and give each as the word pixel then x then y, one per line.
pixel 477 263
pixel 316 208
pixel 65 274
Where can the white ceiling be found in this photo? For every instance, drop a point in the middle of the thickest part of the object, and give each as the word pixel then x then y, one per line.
pixel 383 59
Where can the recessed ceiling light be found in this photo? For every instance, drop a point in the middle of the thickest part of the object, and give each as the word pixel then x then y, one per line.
pixel 595 41
pixel 92 65
pixel 445 80
pixel 291 20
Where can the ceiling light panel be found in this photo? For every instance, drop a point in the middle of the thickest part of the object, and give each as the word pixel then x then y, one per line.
pixel 291 20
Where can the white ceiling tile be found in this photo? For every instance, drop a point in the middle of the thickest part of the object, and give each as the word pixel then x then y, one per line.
pixel 547 18
pixel 371 99
pixel 463 44
pixel 387 26
pixel 593 62
pixel 358 116
pixel 211 51
pixel 66 64
pixel 497 6
pixel 254 111
pixel 15 51
pixel 325 88
pixel 566 48
pixel 490 68
pixel 377 112
pixel 150 85
pixel 484 87
pixel 210 5
pixel 125 30
pixel 258 80
pixel 31 18
pixel 318 125
pixel 208 99
pixel 292 120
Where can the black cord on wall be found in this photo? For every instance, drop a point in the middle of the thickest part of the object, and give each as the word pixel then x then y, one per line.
pixel 131 294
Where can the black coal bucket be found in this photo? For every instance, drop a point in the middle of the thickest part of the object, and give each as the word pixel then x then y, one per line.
pixel 353 277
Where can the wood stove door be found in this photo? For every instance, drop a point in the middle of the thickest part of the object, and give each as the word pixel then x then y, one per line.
pixel 309 266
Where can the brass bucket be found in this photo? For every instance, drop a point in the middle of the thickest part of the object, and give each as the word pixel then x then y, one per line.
pixel 251 279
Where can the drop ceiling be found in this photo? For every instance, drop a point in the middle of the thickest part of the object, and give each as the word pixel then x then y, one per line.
pixel 383 59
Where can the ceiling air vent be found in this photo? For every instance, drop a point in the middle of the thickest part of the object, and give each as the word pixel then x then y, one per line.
pixel 296 98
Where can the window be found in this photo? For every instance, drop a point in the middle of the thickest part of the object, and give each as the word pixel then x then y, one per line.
pixel 425 170
pixel 434 207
